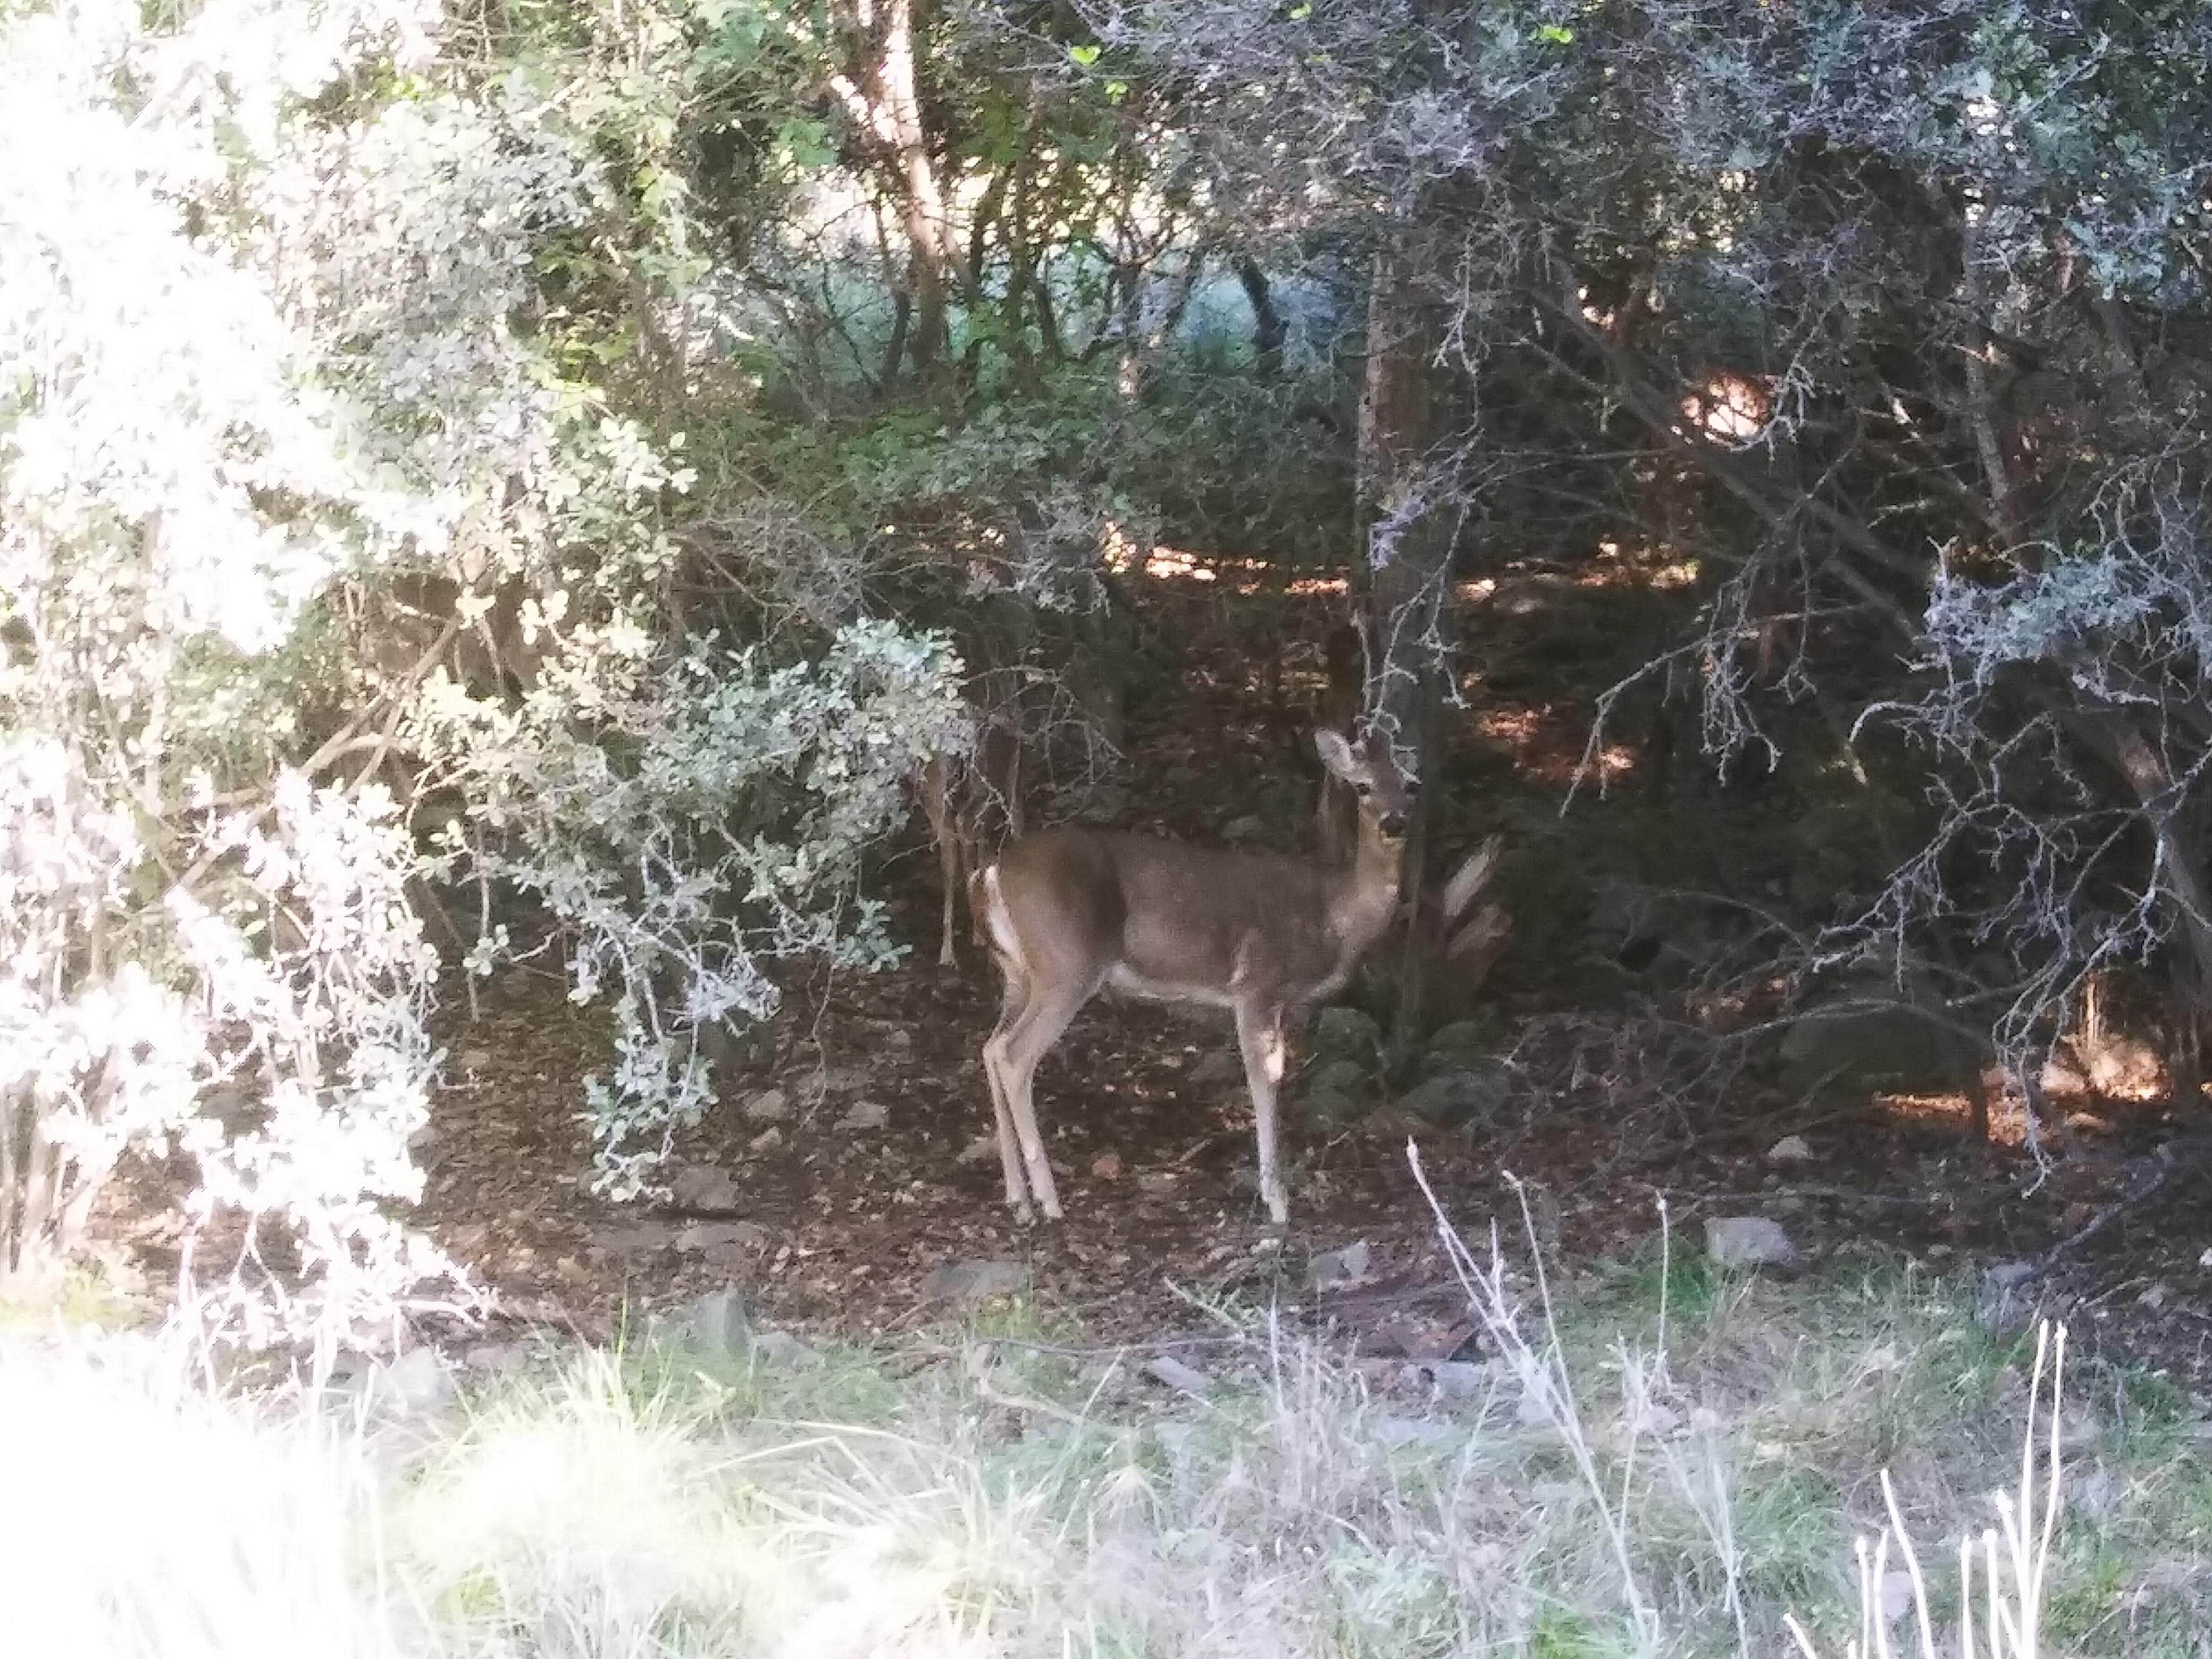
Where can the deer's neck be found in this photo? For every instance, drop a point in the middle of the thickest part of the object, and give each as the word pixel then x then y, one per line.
pixel 1367 891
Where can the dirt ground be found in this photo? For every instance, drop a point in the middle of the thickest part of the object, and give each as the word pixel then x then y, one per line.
pixel 833 1214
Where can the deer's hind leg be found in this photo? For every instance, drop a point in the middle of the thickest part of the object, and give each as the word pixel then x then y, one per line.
pixel 1013 997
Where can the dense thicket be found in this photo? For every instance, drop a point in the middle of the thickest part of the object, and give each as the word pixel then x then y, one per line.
pixel 534 479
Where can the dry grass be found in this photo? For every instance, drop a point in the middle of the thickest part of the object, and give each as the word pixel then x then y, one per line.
pixel 1607 1492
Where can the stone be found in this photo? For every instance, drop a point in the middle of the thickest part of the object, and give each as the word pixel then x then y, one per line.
pixel 1862 1041
pixel 1327 1108
pixel 982 1150
pixel 722 1236
pixel 1217 1069
pixel 1343 1076
pixel 2005 1297
pixel 1247 828
pixel 767 1106
pixel 1452 1099
pixel 1747 1241
pixel 1344 1033
pixel 767 1141
pixel 865 1115
pixel 1459 1044
pixel 1345 1265
pixel 1459 1379
pixel 634 1238
pixel 778 1348
pixel 715 1323
pixel 417 1382
pixel 494 1358
pixel 1896 1597
pixel 703 1187
pixel 1391 1432
pixel 1157 1183
pixel 973 1281
pixel 1790 1149
pixel 1183 1379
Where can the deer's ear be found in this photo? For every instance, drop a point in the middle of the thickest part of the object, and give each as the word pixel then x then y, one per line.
pixel 1335 753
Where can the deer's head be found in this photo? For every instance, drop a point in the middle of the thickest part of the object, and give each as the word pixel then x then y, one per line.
pixel 1385 801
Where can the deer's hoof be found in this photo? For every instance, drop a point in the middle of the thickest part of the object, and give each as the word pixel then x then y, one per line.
pixel 1024 1216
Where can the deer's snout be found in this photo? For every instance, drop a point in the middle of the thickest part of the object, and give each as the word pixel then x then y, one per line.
pixel 1391 824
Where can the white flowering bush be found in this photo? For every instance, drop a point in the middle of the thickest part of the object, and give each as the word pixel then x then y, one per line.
pixel 710 819
pixel 267 345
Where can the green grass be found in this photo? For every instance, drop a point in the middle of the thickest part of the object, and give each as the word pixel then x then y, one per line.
pixel 992 1488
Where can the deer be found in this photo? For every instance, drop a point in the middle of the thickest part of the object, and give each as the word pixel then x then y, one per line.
pixel 1071 911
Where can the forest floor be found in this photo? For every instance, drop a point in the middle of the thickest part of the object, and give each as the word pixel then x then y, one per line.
pixel 832 1214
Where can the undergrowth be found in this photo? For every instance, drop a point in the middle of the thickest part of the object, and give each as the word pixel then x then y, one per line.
pixel 999 1487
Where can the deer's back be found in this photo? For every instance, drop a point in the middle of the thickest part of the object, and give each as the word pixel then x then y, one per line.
pixel 1164 918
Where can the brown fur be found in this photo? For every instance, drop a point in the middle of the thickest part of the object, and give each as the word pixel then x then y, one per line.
pixel 1069 912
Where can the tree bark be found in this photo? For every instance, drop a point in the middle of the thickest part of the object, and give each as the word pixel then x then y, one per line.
pixel 1267 328
pixel 1408 547
pixel 881 94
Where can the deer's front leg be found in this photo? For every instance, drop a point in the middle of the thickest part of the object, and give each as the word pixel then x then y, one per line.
pixel 1260 1035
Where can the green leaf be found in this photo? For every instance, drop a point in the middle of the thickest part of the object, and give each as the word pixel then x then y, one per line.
pixel 1086 56
pixel 1556 35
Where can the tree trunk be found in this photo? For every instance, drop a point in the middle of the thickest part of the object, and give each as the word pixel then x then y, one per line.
pixel 882 95
pixel 1268 330
pixel 1408 545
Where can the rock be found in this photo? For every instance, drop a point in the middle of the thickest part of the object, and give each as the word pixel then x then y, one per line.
pixel 1533 1410
pixel 494 1359
pixel 1346 1265
pixel 1157 1183
pixel 1454 1098
pixel 1343 1076
pixel 722 1236
pixel 1747 1241
pixel 703 1187
pixel 1217 1069
pixel 1459 1379
pixel 1327 1108
pixel 417 1382
pixel 766 1141
pixel 1857 1040
pixel 713 1324
pixel 475 1060
pixel 778 1348
pixel 1107 1166
pixel 634 1239
pixel 1790 1149
pixel 982 1150
pixel 768 1106
pixel 1342 1033
pixel 1183 1379
pixel 2005 1297
pixel 1458 1045
pixel 865 1115
pixel 1391 1432
pixel 972 1281
pixel 1896 1597
pixel 1247 828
